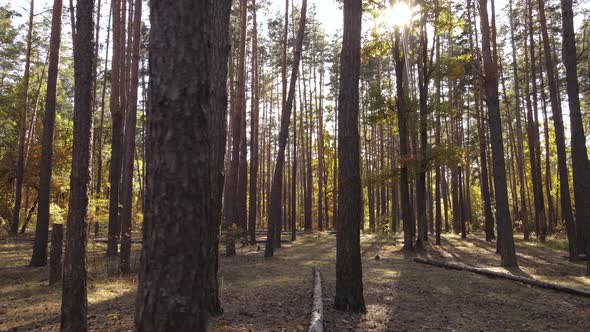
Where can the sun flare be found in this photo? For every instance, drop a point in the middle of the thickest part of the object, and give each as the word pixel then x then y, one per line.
pixel 400 14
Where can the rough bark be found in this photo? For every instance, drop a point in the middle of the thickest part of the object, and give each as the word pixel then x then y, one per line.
pixel 74 302
pixel 218 71
pixel 349 273
pixel 181 198
pixel 39 257
pixel 580 164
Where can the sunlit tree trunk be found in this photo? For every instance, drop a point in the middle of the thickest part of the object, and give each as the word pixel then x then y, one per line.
pixel 402 108
pixel 22 127
pixel 39 257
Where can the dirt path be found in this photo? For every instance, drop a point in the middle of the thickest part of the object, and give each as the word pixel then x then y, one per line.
pixel 261 294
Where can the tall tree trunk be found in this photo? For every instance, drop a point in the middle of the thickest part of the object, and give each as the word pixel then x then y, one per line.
pixel 505 232
pixel 129 142
pixel 274 209
pixel 231 200
pixel 566 205
pixel 580 164
pixel 403 109
pixel 349 273
pixel 517 114
pixel 102 108
pixel 218 70
pixel 423 82
pixel 180 189
pixel 254 131
pixel 320 143
pixel 39 257
pixel 74 302
pixel 294 179
pixel 116 108
pixel 22 129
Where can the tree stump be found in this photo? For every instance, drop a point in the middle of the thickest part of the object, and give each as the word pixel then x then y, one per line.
pixel 57 236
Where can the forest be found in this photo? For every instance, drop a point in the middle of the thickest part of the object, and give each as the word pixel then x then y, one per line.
pixel 293 165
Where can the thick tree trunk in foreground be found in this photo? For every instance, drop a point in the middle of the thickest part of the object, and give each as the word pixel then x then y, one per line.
pixel 39 257
pixel 129 144
pixel 349 272
pixel 179 254
pixel 274 209
pixel 74 303
pixel 580 164
pixel 505 232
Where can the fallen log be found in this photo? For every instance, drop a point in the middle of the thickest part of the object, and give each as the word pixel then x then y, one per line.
pixel 503 275
pixel 317 311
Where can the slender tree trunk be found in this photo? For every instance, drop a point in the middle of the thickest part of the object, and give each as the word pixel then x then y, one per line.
pixel 22 129
pixel 403 109
pixel 274 209
pixel 39 257
pixel 129 142
pixel 517 114
pixel 102 108
pixel 254 131
pixel 424 80
pixel 438 142
pixel 320 143
pixel 74 302
pixel 232 199
pixel 117 129
pixel 566 206
pixel 505 232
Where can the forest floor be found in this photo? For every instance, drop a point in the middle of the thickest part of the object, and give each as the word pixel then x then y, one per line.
pixel 261 294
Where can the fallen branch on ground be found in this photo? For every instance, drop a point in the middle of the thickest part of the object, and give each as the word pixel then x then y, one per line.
pixel 503 275
pixel 317 311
